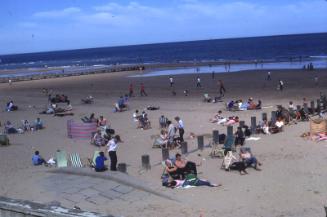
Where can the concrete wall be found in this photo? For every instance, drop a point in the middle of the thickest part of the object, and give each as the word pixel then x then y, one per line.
pixel 20 208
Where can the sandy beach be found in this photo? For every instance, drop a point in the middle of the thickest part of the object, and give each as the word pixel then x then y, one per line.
pixel 291 183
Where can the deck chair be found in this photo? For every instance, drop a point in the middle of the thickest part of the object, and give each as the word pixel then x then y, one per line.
pixel 217 151
pixel 206 98
pixel 228 159
pixel 75 160
pixel 61 159
pixel 92 161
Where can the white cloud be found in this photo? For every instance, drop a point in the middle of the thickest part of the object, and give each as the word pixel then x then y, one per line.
pixel 58 13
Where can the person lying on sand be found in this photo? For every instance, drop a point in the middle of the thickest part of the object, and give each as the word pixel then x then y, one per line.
pixel 191 181
pixel 218 118
pixel 90 119
pixel 232 120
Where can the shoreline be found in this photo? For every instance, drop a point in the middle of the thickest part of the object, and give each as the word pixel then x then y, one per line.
pixel 147 70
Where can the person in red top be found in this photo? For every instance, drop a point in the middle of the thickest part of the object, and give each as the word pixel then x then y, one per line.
pixel 131 90
pixel 143 93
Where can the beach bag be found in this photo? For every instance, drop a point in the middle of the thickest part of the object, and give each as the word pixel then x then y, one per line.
pixel 190 179
pixel 4 140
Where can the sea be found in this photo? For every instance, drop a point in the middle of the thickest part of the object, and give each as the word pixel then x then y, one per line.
pixel 269 52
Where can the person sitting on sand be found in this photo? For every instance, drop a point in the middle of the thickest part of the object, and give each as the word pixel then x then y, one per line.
pixel 9 128
pixel 97 139
pixel 192 181
pixel 144 121
pixel 184 166
pixel 249 159
pixel 11 107
pixel 26 125
pixel 69 106
pixel 37 159
pixel 162 140
pixel 102 122
pixel 100 163
pixel 38 124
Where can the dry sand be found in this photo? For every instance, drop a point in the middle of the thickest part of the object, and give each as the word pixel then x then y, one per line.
pixel 292 182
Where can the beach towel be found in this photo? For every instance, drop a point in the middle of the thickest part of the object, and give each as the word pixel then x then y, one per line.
pixel 61 159
pixel 253 138
pixel 75 160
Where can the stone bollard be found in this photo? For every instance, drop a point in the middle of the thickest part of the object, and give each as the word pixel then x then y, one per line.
pixel 312 106
pixel 253 125
pixel 165 153
pixel 215 136
pixel 146 162
pixel 242 123
pixel 230 131
pixel 264 116
pixel 305 107
pixel 200 142
pixel 273 117
pixel 184 147
pixel 318 106
pixel 122 168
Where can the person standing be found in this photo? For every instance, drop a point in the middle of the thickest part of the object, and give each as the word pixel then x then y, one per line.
pixel 180 127
pixel 213 75
pixel 171 81
pixel 198 82
pixel 131 90
pixel 316 80
pixel 269 76
pixel 281 85
pixel 222 89
pixel 112 149
pixel 142 90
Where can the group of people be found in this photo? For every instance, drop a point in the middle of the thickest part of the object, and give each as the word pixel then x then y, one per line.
pixel 131 90
pixel 220 119
pixel 112 147
pixel 54 109
pixel 180 172
pixel 245 159
pixel 142 120
pixel 26 126
pixel 168 134
pixel 240 105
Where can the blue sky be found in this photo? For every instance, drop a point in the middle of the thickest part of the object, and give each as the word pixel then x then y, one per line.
pixel 43 25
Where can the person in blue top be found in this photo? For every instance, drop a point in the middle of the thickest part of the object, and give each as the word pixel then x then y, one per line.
pixel 38 124
pixel 37 159
pixel 99 163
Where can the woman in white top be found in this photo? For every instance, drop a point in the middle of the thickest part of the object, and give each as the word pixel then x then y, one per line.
pixel 112 149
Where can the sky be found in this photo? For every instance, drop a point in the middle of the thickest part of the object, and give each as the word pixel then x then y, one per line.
pixel 45 25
